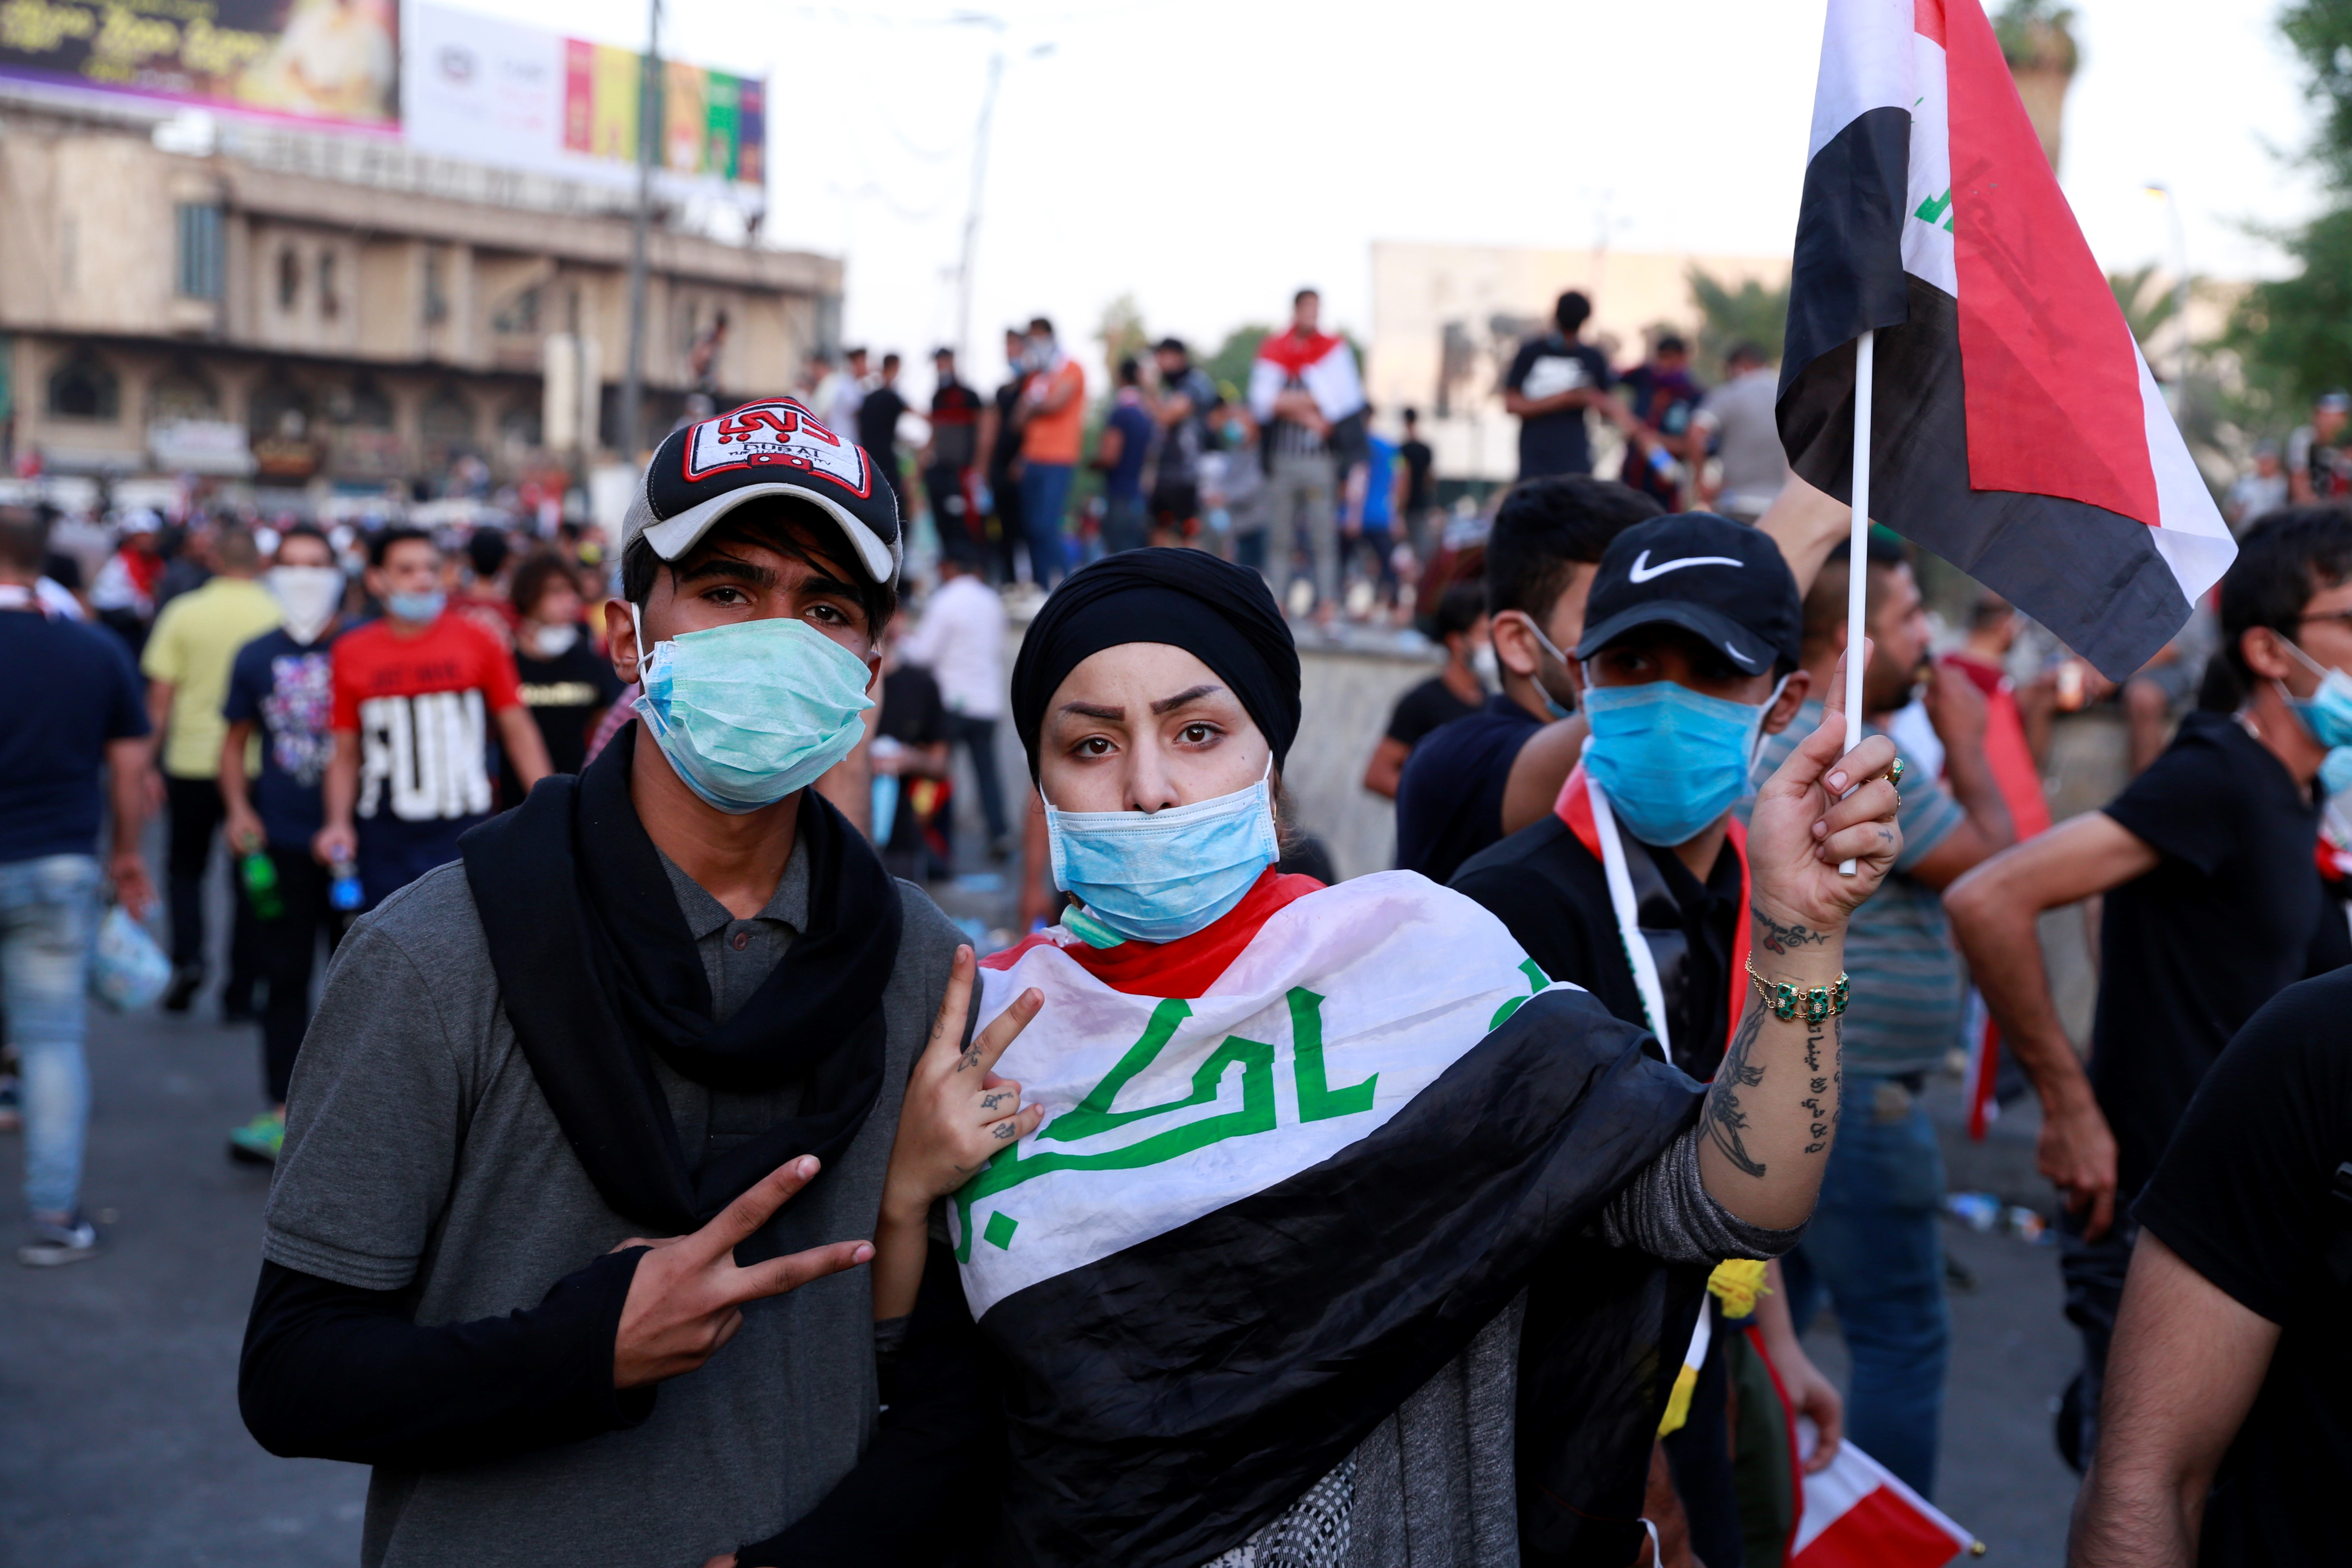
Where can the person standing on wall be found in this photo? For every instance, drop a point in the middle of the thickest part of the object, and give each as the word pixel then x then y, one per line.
pixel 1051 412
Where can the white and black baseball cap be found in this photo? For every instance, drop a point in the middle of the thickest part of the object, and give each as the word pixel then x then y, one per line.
pixel 1721 580
pixel 704 470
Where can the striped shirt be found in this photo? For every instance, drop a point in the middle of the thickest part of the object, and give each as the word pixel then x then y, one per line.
pixel 1908 997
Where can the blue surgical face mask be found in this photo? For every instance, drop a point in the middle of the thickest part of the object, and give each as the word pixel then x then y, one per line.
pixel 1552 705
pixel 1671 760
pixel 2335 771
pixel 424 606
pixel 750 712
pixel 1156 876
pixel 2326 713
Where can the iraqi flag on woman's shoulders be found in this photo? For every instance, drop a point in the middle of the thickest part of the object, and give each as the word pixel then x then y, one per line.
pixel 1289 1168
pixel 2016 431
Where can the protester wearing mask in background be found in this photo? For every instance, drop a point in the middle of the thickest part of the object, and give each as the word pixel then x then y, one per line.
pixel 415 695
pixel 1455 791
pixel 1690 659
pixel 2212 906
pixel 1875 1250
pixel 186 662
pixel 1051 412
pixel 664 997
pixel 1174 1281
pixel 281 688
pixel 565 682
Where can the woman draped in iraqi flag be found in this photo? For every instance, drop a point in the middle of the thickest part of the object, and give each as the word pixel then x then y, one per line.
pixel 1334 1231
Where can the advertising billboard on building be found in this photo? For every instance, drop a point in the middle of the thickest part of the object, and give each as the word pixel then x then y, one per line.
pixel 493 91
pixel 335 61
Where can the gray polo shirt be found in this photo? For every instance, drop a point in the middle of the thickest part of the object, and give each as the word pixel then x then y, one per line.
pixel 420 1152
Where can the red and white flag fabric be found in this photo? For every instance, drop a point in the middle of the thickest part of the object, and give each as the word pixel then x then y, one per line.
pixel 1857 1515
pixel 2015 429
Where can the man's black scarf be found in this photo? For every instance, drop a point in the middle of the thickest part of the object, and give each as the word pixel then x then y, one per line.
pixel 597 967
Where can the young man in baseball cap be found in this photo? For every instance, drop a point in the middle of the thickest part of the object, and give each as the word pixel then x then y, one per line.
pixel 1636 887
pixel 659 1000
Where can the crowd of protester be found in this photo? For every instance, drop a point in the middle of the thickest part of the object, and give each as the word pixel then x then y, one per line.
pixel 1636 674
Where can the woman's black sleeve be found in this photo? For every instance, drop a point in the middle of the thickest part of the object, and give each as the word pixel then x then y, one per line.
pixel 333 1372
pixel 924 1494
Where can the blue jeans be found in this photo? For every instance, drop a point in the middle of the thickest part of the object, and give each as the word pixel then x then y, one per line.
pixel 1044 490
pixel 1874 1250
pixel 48 919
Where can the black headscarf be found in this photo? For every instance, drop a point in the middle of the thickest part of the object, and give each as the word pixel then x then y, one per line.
pixel 599 974
pixel 1222 614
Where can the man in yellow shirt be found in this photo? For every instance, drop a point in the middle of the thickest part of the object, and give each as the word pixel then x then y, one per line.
pixel 186 663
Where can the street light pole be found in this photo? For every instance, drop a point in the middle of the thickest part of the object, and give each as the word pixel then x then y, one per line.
pixel 972 214
pixel 633 380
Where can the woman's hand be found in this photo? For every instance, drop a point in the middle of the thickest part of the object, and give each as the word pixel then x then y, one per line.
pixel 1822 807
pixel 958 1113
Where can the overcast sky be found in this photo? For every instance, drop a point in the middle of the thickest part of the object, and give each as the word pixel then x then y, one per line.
pixel 1209 157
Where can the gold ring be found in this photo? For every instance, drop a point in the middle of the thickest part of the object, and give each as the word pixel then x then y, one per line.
pixel 1895 774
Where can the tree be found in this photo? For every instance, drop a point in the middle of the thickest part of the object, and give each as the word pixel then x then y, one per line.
pixel 1727 317
pixel 1121 332
pixel 2295 334
pixel 2147 311
pixel 1229 367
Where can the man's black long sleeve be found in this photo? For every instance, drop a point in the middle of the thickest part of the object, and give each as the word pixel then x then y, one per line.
pixel 333 1372
pixel 924 1494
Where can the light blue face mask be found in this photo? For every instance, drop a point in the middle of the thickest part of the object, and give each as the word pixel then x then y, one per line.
pixel 1558 709
pixel 424 606
pixel 2335 771
pixel 2326 713
pixel 750 712
pixel 1156 876
pixel 1671 760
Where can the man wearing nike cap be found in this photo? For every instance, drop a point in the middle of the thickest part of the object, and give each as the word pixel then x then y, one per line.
pixel 1688 660
pixel 657 1001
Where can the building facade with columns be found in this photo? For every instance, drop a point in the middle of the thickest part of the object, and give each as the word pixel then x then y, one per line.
pixel 297 316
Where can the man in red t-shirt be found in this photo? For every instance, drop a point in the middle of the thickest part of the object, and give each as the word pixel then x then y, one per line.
pixel 413 694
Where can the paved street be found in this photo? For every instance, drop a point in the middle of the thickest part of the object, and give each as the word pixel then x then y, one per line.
pixel 120 1442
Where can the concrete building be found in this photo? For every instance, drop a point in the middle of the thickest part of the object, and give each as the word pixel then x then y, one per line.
pixel 1446 320
pixel 304 315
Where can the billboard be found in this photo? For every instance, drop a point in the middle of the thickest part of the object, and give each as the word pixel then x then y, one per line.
pixel 336 62
pixel 494 92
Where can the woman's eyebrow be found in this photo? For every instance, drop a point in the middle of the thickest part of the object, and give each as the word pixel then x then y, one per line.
pixel 1095 710
pixel 1170 704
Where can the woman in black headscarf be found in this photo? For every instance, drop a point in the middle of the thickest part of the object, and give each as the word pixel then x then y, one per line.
pixel 1344 1228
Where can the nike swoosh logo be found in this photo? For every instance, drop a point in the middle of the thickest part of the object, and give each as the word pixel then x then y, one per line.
pixel 1642 571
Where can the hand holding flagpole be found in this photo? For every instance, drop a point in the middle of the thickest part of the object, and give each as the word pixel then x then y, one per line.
pixel 1857 576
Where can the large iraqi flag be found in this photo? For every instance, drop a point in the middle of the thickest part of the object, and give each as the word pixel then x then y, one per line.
pixel 2016 431
pixel 1288 1169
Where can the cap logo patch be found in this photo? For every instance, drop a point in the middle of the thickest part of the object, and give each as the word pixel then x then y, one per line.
pixel 779 434
pixel 1641 571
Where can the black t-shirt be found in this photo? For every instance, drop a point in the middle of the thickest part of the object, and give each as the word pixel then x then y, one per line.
pixel 1007 445
pixel 1450 796
pixel 1551 891
pixel 1546 366
pixel 1424 708
pixel 877 427
pixel 955 425
pixel 565 694
pixel 1418 460
pixel 913 715
pixel 2248 1195
pixel 2189 951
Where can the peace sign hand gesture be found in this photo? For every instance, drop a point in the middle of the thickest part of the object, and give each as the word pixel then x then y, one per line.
pixel 958 1114
pixel 686 1296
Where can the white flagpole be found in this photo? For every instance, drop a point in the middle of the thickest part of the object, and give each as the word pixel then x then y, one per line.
pixel 1857 577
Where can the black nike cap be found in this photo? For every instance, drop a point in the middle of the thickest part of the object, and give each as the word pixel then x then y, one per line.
pixel 1722 580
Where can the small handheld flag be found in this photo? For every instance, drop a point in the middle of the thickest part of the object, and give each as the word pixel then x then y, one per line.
pixel 2013 427
pixel 1858 1515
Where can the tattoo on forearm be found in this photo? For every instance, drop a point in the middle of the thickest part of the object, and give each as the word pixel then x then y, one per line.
pixel 1725 1122
pixel 1778 937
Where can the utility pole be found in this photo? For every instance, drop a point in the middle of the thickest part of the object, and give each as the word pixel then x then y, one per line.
pixel 633 381
pixel 972 214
